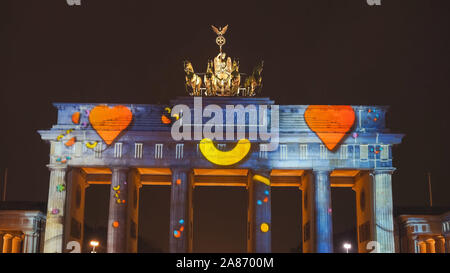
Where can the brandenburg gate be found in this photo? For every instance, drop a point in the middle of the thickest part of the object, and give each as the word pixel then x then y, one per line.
pixel 311 147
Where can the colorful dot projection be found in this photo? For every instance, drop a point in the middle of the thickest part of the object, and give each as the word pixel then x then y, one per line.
pixel 177 232
pixel 60 188
pixel 264 227
pixel 117 195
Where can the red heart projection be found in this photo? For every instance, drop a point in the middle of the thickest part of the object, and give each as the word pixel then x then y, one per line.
pixel 110 122
pixel 330 122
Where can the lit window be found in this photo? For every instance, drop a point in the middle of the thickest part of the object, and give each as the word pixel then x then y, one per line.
pixel 384 153
pixel 158 150
pixel 283 151
pixel 138 147
pixel 179 151
pixel 323 152
pixel 98 150
pixel 364 152
pixel 303 151
pixel 118 150
pixel 222 146
pixel 78 148
pixel 263 151
pixel 343 152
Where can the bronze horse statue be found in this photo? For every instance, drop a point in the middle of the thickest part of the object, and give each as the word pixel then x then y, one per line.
pixel 235 80
pixel 193 80
pixel 208 79
pixel 254 81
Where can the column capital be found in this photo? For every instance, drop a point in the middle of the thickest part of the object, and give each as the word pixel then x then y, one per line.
pixel 119 168
pixel 57 167
pixel 322 170
pixel 29 233
pixel 260 170
pixel 180 168
pixel 383 171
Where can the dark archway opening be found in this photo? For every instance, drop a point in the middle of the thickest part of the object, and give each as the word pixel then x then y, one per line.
pixel 96 216
pixel 344 219
pixel 286 220
pixel 154 219
pixel 220 219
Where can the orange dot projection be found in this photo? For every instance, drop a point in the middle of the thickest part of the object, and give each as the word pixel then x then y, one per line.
pixel 115 224
pixel 70 142
pixel 165 120
pixel 178 181
pixel 76 117
pixel 330 122
pixel 109 122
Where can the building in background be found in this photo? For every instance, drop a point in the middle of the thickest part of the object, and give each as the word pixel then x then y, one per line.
pixel 423 230
pixel 22 226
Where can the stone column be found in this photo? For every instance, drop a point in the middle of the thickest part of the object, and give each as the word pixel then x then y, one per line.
pixel 30 243
pixel 7 243
pixel 56 202
pixel 179 211
pixel 422 247
pixel 260 218
pixel 430 246
pixel 16 244
pixel 117 216
pixel 382 206
pixel 440 244
pixel 323 214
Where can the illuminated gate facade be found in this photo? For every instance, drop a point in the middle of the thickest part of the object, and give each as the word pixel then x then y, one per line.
pixel 93 143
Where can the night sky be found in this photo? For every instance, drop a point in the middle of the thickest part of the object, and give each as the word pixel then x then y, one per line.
pixel 314 52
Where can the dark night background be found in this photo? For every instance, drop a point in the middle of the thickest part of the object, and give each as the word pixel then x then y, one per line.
pixel 314 52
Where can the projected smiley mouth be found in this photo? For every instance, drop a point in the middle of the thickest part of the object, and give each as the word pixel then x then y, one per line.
pixel 224 158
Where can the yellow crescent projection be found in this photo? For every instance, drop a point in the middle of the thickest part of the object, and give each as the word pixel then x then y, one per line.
pixel 213 155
